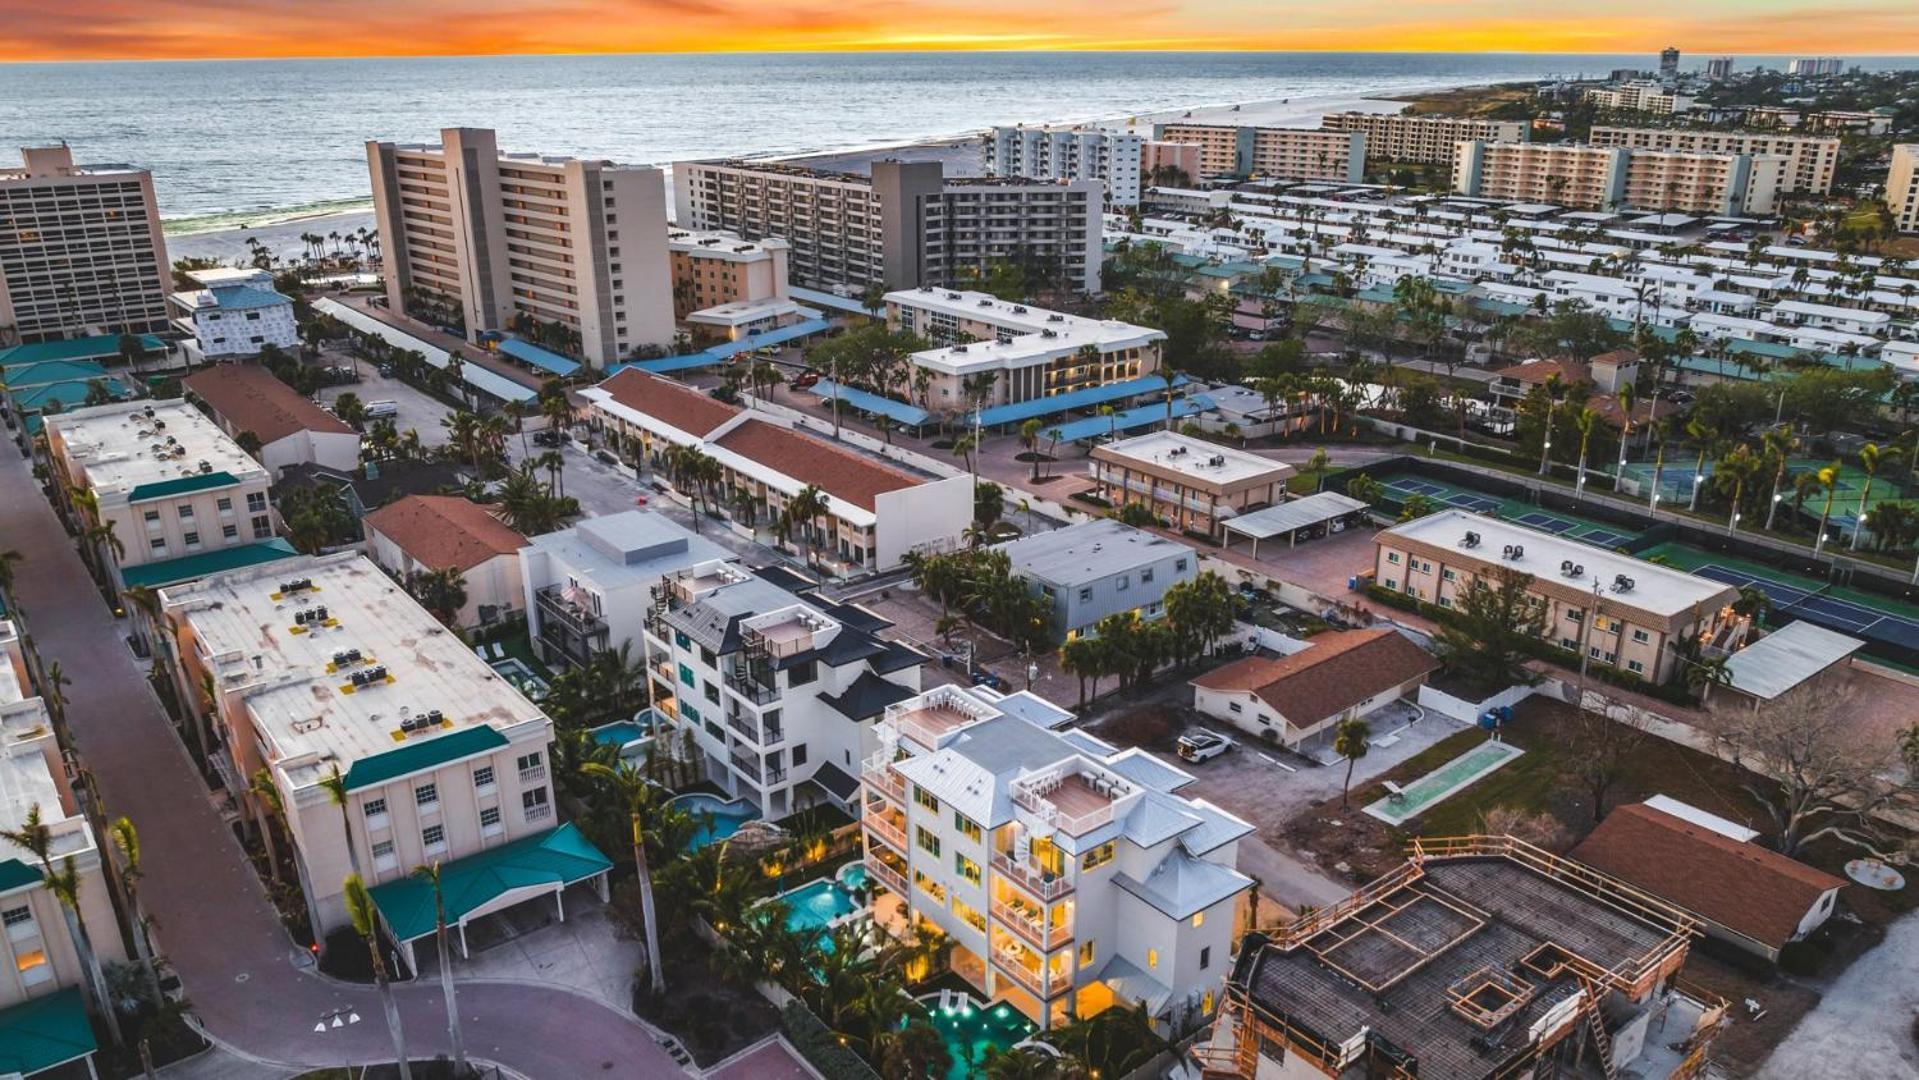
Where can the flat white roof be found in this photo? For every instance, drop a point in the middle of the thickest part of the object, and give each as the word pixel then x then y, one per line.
pixel 125 445
pixel 1658 589
pixel 1787 657
pixel 715 244
pixel 1197 458
pixel 1038 335
pixel 305 706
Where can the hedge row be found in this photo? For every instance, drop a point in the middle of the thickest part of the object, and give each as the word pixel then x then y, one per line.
pixel 820 1047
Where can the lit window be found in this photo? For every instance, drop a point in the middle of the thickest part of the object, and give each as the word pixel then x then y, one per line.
pixel 33 967
pixel 926 798
pixel 966 868
pixel 1199 919
pixel 967 826
pixel 1152 959
pixel 1097 857
pixel 926 840
pixel 1086 954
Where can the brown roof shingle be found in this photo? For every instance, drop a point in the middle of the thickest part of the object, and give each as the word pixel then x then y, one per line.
pixel 445 531
pixel 249 398
pixel 669 402
pixel 1744 887
pixel 1340 669
pixel 810 460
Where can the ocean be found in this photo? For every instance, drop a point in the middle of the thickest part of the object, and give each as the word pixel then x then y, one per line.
pixel 230 141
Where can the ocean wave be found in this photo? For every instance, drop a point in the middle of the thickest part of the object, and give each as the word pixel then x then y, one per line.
pixel 261 218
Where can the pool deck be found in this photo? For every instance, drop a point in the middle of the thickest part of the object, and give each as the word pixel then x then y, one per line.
pixel 1417 800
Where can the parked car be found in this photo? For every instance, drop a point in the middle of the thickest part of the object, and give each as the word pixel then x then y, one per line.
pixel 1200 744
pixel 386 371
pixel 606 457
pixel 378 409
pixel 548 438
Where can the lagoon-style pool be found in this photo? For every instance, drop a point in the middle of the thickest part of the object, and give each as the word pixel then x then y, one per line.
pixel 727 817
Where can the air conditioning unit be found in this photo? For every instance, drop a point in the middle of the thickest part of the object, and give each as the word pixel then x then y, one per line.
pixel 1622 583
pixel 1470 540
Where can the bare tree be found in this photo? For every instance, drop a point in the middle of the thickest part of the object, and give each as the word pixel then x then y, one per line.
pixel 1810 775
pixel 1600 747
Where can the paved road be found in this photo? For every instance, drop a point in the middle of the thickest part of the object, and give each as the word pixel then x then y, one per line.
pixel 242 972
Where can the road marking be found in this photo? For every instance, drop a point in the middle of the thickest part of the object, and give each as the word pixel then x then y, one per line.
pixel 1275 761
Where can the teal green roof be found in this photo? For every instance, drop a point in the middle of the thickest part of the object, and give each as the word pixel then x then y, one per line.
pixel 192 567
pixel 557 858
pixel 14 873
pixel 70 395
pixel 82 348
pixel 166 489
pixel 38 1034
pixel 52 371
pixel 418 754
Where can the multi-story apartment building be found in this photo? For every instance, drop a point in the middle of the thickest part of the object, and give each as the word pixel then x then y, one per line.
pixel 1405 137
pixel 1619 611
pixel 1272 153
pixel 161 482
pixel 1902 187
pixel 1069 876
pixel 572 241
pixel 1815 67
pixel 1669 62
pixel 1812 159
pixel 1168 162
pixel 324 669
pixel 1719 69
pixel 775 689
pixel 235 313
pixel 903 225
pixel 1029 352
pixel 1609 177
pixel 1191 483
pixel 875 512
pixel 42 981
pixel 1088 571
pixel 1640 95
pixel 727 287
pixel 80 249
pixel 1069 152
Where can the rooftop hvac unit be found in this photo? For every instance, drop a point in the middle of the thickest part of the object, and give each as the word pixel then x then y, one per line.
pixel 296 585
pixel 1019 309
pixel 985 303
pixel 952 296
pixel 1622 583
pixel 1217 460
pixel 149 411
pixel 206 466
pixel 1471 540
pixel 1056 317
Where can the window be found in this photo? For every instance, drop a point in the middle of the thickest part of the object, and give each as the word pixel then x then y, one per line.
pixel 1125 582
pixel 483 777
pixel 19 922
pixel 1445 601
pixel 1576 614
pixel 263 528
pixel 1569 643
pixel 1097 857
pixel 1641 636
pixel 686 675
pixel 1205 957
pixel 683 642
pixel 186 513
pixel 33 967
pixel 158 543
pixel 802 673
pixel 1085 595
pixel 969 915
pixel 799 755
pixel 1086 955
pixel 926 840
pixel 1234 706
pixel 426 794
pixel 153 517
pixel 1391 584
pixel 1447 574
pixel 256 502
pixel 223 504
pixel 967 826
pixel 930 887
pixel 1146 576
pixel 192 539
pixel 1199 919
pixel 383 856
pixel 712 693
pixel 708 657
pixel 375 811
pixel 1152 959
pixel 229 532
pixel 926 798
pixel 535 804
pixel 490 822
pixel 1393 557
pixel 1635 667
pixel 433 838
pixel 966 868
pixel 1179 567
pixel 526 763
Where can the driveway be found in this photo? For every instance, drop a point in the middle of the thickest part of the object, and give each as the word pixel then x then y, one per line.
pixel 248 981
pixel 1865 1018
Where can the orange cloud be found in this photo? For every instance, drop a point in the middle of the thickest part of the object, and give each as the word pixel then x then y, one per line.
pixel 173 29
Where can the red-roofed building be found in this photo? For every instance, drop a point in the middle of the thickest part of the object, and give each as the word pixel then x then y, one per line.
pixel 448 532
pixel 651 413
pixel 292 430
pixel 1340 675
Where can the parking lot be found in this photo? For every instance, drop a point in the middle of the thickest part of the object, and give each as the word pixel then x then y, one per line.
pixel 417 409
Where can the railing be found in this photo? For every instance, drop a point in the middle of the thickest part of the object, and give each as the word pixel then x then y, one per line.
pixel 539 812
pixel 757 693
pixel 1040 883
pixel 1030 980
pixel 881 826
pixel 743 724
pixel 1031 929
pixel 1072 824
pixel 748 765
pixel 533 775
pixel 879 775
pixel 888 876
pixel 579 618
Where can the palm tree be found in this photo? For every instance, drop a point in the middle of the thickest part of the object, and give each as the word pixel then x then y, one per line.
pixel 964 447
pixel 1702 434
pixel 1351 739
pixel 34 836
pixel 266 807
pixel 1777 444
pixel 1739 467
pixel 126 840
pixel 1829 481
pixel 1625 398
pixel 637 794
pixel 1869 456
pixel 1029 442
pixel 359 908
pixel 431 874
pixel 802 510
pixel 1555 388
pixel 335 786
pixel 1584 420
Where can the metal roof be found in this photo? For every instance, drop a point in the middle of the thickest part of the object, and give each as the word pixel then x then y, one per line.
pixel 187 568
pixel 81 348
pixel 43 1032
pixel 1182 885
pixel 1075 399
pixel 1141 416
pixel 1088 551
pixel 418 754
pixel 545 359
pixel 1297 514
pixel 1787 657
pixel 866 401
pixel 164 489
pixel 550 860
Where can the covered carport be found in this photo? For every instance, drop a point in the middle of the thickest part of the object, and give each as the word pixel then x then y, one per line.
pixel 1301 519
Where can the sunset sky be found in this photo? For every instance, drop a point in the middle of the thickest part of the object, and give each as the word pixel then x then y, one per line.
pixel 169 29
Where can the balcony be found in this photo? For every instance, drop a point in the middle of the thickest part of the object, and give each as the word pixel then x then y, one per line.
pixel 756 692
pixel 533 775
pixel 1043 884
pixel 884 828
pixel 1028 979
pixel 887 876
pixel 748 766
pixel 1024 923
pixel 879 775
pixel 569 606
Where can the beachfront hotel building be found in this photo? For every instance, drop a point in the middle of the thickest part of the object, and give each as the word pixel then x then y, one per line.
pixel 903 225
pixel 776 691
pixel 165 482
pixel 572 241
pixel 1619 611
pixel 727 288
pixel 81 251
pixel 1069 152
pixel 1609 177
pixel 1070 876
pixel 1229 150
pixel 1640 95
pixel 41 978
pixel 234 313
pixel 1191 483
pixel 1812 159
pixel 876 511
pixel 324 666
pixel 1902 187
pixel 1430 139
pixel 1030 352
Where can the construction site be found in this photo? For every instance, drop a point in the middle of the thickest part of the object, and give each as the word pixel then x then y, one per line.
pixel 1479 958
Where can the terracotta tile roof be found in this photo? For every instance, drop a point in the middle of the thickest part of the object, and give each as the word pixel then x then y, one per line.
pixel 1339 670
pixel 1616 356
pixel 445 531
pixel 1536 372
pixel 669 402
pixel 1744 887
pixel 249 398
pixel 811 460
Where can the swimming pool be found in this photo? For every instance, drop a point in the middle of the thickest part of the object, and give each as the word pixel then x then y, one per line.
pixel 971 1030
pixel 620 733
pixel 1415 798
pixel 727 817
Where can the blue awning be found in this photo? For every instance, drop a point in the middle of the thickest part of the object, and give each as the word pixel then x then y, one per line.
pixel 721 353
pixel 546 359
pixel 1074 399
pixel 1143 416
pixel 910 415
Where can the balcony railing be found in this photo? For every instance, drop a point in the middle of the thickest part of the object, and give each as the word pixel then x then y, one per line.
pixel 1029 979
pixel 750 766
pixel 1030 928
pixel 879 775
pixel 755 692
pixel 533 775
pixel 884 828
pixel 1041 883
pixel 887 876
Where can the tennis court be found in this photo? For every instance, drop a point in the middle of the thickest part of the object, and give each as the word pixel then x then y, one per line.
pixel 1442 494
pixel 1402 487
pixel 1815 606
pixel 1675 485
